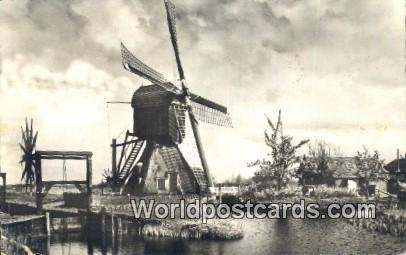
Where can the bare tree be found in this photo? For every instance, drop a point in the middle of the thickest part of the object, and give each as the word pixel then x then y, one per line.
pixel 275 169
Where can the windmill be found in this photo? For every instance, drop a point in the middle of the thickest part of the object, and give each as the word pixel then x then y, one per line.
pixel 28 148
pixel 167 150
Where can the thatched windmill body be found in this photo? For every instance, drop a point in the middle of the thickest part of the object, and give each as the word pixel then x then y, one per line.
pixel 167 154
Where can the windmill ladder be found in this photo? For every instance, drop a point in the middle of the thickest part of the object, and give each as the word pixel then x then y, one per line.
pixel 127 168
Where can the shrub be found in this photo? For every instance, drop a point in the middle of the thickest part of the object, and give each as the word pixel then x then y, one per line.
pixel 332 192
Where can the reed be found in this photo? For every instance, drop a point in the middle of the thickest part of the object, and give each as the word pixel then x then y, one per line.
pixel 215 230
pixel 389 221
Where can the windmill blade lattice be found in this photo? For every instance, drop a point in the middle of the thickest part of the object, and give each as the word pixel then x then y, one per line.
pixel 210 115
pixel 133 64
pixel 136 66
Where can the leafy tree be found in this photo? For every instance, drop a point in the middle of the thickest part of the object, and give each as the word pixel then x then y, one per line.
pixel 306 170
pixel 316 164
pixel 369 167
pixel 275 170
pixel 238 179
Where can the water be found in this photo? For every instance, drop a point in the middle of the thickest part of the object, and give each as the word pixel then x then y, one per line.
pixel 261 237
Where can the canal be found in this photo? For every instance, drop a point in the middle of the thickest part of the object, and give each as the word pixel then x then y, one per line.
pixel 323 236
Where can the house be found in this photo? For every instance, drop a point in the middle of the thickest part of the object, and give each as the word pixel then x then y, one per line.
pixel 344 172
pixel 345 175
pixel 397 174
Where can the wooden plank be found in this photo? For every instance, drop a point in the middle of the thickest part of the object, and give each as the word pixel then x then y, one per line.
pixel 7 219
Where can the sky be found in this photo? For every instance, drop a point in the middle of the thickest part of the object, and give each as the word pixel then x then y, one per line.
pixel 336 69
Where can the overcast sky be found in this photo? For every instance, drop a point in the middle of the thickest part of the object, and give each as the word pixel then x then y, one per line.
pixel 336 68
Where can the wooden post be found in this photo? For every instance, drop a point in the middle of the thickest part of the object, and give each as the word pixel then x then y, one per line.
pixel 119 226
pixel 89 181
pixel 114 159
pixel 195 128
pixel 103 220
pixel 3 190
pixel 103 229
pixel 220 195
pixel 397 157
pixel 38 185
pixel 112 225
pixel 48 223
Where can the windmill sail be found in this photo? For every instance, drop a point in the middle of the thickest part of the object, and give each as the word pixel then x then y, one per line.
pixel 190 152
pixel 171 17
pixel 134 65
pixel 210 115
pixel 208 103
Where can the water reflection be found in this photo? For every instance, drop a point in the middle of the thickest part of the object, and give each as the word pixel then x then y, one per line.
pixel 261 237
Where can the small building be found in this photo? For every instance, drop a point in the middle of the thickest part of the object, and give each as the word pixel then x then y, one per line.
pixel 344 172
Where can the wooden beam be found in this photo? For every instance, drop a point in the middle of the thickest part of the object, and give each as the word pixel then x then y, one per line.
pixel 63 182
pixel 89 182
pixel 125 143
pixel 60 157
pixel 199 145
pixel 114 157
pixel 64 153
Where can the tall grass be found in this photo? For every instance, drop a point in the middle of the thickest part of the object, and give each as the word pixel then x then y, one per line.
pixel 390 221
pixel 214 230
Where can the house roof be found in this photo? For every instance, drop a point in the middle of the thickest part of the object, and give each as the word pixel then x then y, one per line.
pixel 392 166
pixel 343 167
